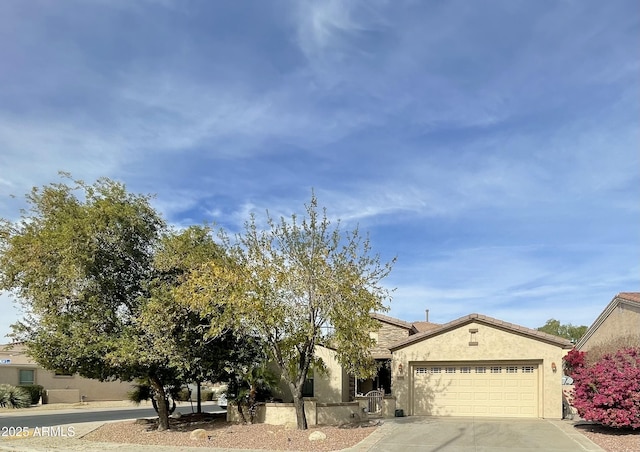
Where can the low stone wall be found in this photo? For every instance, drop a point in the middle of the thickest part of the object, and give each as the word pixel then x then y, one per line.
pixel 338 413
pixel 276 413
pixel 316 413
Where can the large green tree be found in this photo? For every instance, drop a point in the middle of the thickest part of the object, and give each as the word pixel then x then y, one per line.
pixel 170 325
pixel 79 260
pixel 297 284
pixel 567 331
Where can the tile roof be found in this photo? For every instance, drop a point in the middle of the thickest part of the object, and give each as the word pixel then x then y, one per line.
pixel 518 329
pixel 424 326
pixel 391 320
pixel 630 296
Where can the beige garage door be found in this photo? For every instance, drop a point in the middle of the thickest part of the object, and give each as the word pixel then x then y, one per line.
pixel 470 389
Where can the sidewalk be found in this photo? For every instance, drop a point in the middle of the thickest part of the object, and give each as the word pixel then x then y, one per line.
pixel 65 408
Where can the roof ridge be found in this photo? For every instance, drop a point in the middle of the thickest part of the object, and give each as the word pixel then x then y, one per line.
pixel 486 319
pixel 391 320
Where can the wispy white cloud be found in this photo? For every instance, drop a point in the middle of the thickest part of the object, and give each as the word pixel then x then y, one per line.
pixel 478 144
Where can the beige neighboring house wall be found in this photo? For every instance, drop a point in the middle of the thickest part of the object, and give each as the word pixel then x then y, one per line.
pixel 13 359
pixel 481 341
pixel 620 319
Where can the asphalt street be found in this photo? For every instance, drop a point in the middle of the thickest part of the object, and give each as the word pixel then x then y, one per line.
pixel 64 417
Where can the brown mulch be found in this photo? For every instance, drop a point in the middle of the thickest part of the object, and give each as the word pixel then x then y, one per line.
pixel 611 439
pixel 223 434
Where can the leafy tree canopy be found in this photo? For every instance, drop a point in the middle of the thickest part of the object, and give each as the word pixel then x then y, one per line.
pixel 298 284
pixel 94 268
pixel 567 331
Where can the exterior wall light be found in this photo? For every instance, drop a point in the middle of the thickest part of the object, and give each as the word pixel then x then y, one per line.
pixel 400 369
pixel 553 367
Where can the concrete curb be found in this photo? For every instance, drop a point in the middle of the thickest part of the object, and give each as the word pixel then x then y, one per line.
pixel 568 427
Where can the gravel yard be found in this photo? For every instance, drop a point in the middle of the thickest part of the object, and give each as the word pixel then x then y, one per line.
pixel 611 439
pixel 222 434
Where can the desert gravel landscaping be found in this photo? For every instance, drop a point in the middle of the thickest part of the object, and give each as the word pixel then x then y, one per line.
pixel 222 434
pixel 611 439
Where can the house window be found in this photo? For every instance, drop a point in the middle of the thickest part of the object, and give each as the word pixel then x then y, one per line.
pixel 307 388
pixel 421 370
pixel 435 370
pixel 27 377
pixel 465 370
pixel 527 369
pixel 512 369
pixel 450 370
pixel 496 370
pixel 481 370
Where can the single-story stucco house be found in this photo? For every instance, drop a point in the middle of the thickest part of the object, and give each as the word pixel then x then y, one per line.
pixel 473 366
pixel 619 322
pixel 17 368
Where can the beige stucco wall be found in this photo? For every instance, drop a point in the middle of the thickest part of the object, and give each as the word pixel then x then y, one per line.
pixel 494 345
pixel 623 321
pixel 329 387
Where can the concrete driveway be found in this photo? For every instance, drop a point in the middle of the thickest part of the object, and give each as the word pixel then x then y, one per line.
pixel 433 434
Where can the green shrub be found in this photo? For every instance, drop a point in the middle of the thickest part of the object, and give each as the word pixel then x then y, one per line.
pixel 140 393
pixel 13 397
pixel 35 392
pixel 184 394
pixel 206 396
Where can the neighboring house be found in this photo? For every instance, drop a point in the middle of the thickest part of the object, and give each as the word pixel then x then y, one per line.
pixel 17 368
pixel 620 321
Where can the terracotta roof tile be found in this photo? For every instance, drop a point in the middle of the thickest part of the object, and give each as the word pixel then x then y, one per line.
pixel 630 296
pixel 424 326
pixel 391 320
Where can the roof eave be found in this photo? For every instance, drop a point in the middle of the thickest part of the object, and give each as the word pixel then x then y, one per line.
pixel 516 329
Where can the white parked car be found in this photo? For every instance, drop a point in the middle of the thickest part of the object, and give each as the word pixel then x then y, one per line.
pixel 222 401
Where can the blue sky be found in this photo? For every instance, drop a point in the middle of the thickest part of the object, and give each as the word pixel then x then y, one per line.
pixel 492 147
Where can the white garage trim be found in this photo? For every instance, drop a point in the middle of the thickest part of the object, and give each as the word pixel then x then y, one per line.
pixel 494 388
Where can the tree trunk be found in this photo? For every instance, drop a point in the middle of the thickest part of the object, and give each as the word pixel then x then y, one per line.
pixel 298 402
pixel 161 399
pixel 240 411
pixel 199 403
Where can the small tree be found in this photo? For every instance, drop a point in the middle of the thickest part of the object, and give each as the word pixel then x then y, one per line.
pixel 290 285
pixel 248 388
pixel 608 391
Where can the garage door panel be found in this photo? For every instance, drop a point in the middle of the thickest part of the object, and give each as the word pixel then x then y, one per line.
pixel 476 390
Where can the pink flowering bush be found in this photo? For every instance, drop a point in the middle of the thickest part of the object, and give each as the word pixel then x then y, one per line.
pixel 608 391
